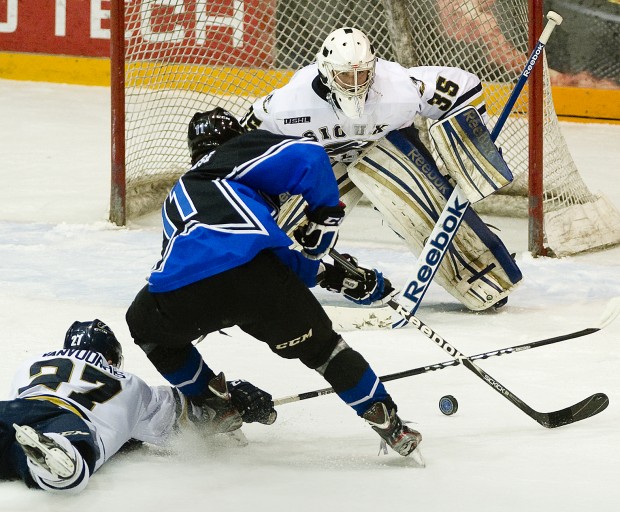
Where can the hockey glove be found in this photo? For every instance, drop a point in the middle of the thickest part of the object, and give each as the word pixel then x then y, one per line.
pixel 320 233
pixel 253 403
pixel 371 289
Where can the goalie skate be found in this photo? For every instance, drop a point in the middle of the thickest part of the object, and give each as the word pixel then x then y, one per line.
pixel 44 452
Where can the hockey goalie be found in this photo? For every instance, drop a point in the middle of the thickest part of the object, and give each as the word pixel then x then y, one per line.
pixel 362 110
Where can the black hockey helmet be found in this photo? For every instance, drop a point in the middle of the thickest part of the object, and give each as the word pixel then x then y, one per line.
pixel 95 336
pixel 209 129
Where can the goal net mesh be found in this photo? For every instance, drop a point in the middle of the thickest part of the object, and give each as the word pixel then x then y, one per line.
pixel 183 56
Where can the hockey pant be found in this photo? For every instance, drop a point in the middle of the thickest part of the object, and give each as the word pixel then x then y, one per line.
pixel 268 301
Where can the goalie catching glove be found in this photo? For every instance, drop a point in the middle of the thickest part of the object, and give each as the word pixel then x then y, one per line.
pixel 367 288
pixel 320 233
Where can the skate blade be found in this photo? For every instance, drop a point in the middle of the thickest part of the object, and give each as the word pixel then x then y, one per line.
pixel 416 457
pixel 237 438
pixel 233 439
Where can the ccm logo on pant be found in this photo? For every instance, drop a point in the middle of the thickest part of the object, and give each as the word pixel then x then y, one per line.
pixel 295 341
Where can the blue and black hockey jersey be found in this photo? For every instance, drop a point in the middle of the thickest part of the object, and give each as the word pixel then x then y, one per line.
pixel 223 211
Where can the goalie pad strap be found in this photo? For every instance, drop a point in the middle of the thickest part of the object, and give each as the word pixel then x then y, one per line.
pixel 482 273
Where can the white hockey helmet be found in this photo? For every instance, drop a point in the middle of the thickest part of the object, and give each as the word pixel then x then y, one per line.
pixel 346 64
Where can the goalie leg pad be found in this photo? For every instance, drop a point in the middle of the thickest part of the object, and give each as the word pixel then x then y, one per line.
pixel 422 161
pixel 292 213
pixel 471 158
pixel 408 191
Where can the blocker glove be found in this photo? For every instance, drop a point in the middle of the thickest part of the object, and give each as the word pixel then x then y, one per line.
pixel 253 403
pixel 320 233
pixel 371 289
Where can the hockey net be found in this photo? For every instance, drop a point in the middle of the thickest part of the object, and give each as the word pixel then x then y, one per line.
pixel 183 56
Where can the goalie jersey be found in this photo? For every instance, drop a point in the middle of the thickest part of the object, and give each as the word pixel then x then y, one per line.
pixel 395 98
pixel 116 406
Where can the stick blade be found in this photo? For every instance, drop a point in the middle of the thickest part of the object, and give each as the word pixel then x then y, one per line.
pixel 610 313
pixel 580 411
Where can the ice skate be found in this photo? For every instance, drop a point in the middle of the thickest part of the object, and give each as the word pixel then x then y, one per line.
pixel 44 452
pixel 389 426
pixel 216 413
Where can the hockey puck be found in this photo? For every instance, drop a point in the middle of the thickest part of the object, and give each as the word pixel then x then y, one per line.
pixel 448 405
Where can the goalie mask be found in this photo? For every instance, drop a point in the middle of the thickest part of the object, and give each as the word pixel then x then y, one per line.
pixel 207 130
pixel 95 336
pixel 346 64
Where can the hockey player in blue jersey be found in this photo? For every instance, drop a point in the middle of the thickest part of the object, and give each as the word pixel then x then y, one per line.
pixel 225 262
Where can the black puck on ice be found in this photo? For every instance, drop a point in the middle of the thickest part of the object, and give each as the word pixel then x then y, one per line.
pixel 448 405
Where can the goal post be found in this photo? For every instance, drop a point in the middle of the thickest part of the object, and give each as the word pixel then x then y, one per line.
pixel 118 190
pixel 536 232
pixel 171 58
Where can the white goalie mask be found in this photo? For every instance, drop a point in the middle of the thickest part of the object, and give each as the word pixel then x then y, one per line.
pixel 346 63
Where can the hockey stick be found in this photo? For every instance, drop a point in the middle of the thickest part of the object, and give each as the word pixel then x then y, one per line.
pixel 438 243
pixel 433 252
pixel 554 20
pixel 611 312
pixel 581 410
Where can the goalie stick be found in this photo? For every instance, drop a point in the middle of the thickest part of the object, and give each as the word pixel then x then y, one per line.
pixel 611 312
pixel 554 20
pixel 579 411
pixel 451 217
